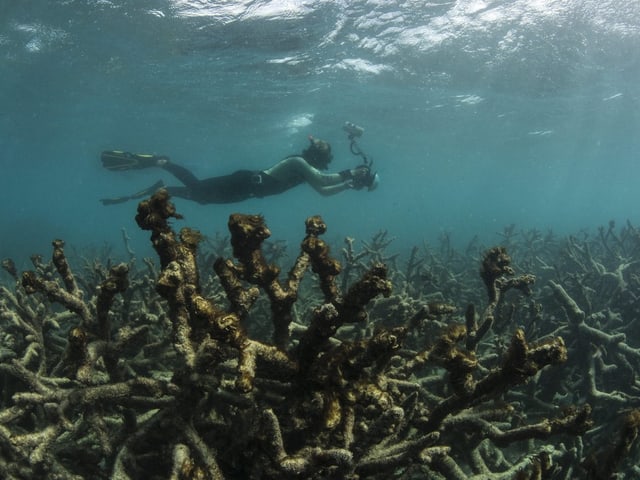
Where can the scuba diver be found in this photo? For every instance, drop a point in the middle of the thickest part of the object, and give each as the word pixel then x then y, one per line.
pixel 243 184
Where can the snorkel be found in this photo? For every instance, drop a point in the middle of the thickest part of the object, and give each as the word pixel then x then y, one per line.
pixel 355 131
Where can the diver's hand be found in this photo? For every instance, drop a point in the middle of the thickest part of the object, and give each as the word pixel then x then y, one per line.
pixel 359 176
pixel 362 177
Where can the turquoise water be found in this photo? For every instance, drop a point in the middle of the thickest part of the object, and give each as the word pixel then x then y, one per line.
pixel 478 114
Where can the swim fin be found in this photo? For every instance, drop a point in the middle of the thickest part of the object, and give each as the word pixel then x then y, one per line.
pixel 117 160
pixel 142 193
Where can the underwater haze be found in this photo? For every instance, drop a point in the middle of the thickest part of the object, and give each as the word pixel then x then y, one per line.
pixel 477 114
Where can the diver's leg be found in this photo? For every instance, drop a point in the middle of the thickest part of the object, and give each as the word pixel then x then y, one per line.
pixel 223 189
pixel 181 173
pixel 181 192
pixel 134 196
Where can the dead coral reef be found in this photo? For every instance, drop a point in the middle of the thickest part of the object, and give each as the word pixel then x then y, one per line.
pixel 152 373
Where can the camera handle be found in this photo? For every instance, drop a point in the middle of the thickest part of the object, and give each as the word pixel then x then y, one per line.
pixel 355 131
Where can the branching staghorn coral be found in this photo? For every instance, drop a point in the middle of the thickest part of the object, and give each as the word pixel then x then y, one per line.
pixel 126 384
pixel 57 393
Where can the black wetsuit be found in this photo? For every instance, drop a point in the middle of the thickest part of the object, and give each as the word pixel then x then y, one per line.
pixel 232 188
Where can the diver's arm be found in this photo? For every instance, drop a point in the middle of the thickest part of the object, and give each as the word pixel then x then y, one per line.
pixel 333 189
pixel 324 183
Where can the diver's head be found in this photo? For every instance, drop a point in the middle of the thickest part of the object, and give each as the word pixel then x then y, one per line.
pixel 318 153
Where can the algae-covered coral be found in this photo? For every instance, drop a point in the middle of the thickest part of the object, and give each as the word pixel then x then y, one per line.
pixel 350 370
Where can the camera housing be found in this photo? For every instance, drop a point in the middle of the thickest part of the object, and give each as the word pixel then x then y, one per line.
pixel 354 131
